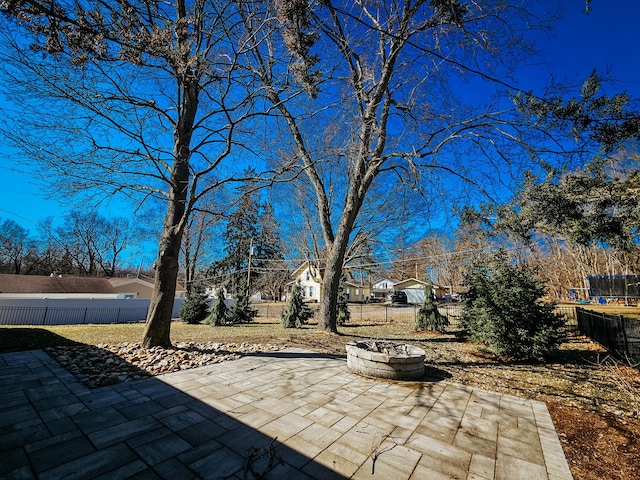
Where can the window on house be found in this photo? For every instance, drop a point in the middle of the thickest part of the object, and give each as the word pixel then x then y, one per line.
pixel 311 292
pixel 308 276
pixel 357 292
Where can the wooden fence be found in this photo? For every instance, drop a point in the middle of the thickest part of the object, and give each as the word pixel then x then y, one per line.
pixel 620 335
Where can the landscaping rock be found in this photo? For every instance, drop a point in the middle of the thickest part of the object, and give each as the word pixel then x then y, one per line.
pixel 102 365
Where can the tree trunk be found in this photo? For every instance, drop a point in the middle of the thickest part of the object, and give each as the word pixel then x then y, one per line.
pixel 158 325
pixel 166 269
pixel 334 263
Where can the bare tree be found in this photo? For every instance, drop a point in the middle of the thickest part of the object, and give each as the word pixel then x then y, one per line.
pixel 139 98
pixel 393 75
pixel 15 246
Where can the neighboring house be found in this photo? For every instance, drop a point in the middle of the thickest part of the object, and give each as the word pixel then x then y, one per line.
pixel 310 278
pixel 414 289
pixel 382 289
pixel 55 286
pixel 140 287
pixel 356 292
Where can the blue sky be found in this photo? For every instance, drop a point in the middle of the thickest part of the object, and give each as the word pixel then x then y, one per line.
pixel 605 39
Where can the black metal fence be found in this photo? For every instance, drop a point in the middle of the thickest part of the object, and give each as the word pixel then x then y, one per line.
pixel 383 313
pixel 620 335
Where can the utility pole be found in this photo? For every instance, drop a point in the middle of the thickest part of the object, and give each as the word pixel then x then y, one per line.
pixel 249 266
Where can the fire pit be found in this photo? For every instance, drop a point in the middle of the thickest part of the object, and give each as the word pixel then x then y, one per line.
pixel 375 358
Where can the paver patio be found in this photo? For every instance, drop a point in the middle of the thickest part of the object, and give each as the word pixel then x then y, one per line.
pixel 283 415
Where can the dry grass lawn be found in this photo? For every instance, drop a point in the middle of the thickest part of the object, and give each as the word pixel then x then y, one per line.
pixel 595 402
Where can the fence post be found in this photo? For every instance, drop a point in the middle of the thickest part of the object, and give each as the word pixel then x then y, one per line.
pixel 360 313
pixel 624 335
pixel 44 318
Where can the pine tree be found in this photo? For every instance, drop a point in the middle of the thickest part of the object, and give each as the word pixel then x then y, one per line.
pixel 428 317
pixel 219 312
pixel 504 313
pixel 296 312
pixel 241 311
pixel 194 309
pixel 343 308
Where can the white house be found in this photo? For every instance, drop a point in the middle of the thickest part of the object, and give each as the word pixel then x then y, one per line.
pixel 309 276
pixel 382 289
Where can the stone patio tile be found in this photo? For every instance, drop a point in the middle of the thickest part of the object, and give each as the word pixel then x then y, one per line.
pixel 174 470
pixel 344 425
pixel 62 411
pixel 400 435
pixel 287 471
pixel 422 472
pixel 175 400
pixel 502 419
pixel 15 386
pixel 399 457
pixel 179 417
pixel 319 435
pixel 219 464
pixel 92 421
pixel 13 399
pixel 16 415
pixel 363 440
pixel 59 450
pixel 330 464
pixel 46 392
pixel 443 433
pixel 379 470
pixel 512 468
pixel 524 450
pixel 92 465
pixel 138 407
pixel 482 467
pixel 257 417
pixel 244 439
pixel 102 397
pixel 24 433
pixel 136 469
pixel 275 406
pixel 435 452
pixel 347 408
pixel 161 449
pixel 516 407
pixel 349 454
pixel 54 402
pixel 200 432
pixel 474 443
pixel 147 437
pixel 324 416
pixel 285 426
pixel 302 446
pixel 201 451
pixel 542 416
pixel 11 459
pixel 479 427
pixel 123 431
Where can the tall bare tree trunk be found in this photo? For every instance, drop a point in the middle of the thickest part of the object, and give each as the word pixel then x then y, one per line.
pixel 158 327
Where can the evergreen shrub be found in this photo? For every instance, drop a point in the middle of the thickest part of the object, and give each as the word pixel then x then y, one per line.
pixel 504 311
